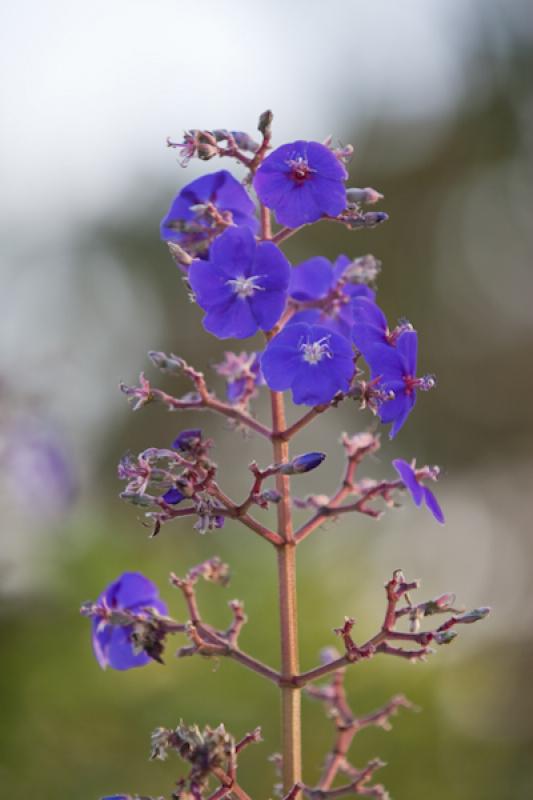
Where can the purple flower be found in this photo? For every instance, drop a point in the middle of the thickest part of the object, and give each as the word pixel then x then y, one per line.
pixel 302 182
pixel 190 222
pixel 112 644
pixel 311 360
pixel 395 367
pixel 242 286
pixel 417 491
pixel 318 279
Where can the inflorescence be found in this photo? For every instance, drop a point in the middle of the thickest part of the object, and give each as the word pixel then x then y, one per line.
pixel 327 341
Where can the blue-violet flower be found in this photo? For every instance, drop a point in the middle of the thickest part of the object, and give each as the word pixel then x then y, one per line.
pixel 112 644
pixel 311 360
pixel 301 182
pixel 242 286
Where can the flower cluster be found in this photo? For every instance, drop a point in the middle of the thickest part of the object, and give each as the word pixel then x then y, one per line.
pixel 322 335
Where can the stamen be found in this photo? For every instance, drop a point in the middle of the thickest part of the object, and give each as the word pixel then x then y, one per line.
pixel 313 352
pixel 245 287
pixel 300 169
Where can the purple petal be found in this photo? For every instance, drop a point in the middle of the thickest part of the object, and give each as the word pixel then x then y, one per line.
pixel 209 284
pixel 298 206
pixel 385 361
pixel 407 346
pixel 120 653
pixel 278 364
pixel 267 308
pixel 400 420
pixel 129 591
pixel 433 505
pixel 325 162
pixel 408 476
pixel 233 318
pixel 329 195
pixel 233 252
pixel 272 267
pixel 312 279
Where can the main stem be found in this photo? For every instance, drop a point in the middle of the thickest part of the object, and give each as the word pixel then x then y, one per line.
pixel 290 694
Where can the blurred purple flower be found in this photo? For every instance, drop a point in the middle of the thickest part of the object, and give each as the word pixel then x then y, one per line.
pixel 311 360
pixel 418 492
pixel 37 467
pixel 242 373
pixel 242 286
pixel 112 644
pixel 302 182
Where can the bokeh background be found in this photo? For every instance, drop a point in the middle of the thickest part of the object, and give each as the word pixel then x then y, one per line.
pixel 436 97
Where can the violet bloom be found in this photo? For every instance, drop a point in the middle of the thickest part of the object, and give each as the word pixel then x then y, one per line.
pixel 189 223
pixel 315 279
pixel 311 360
pixel 301 182
pixel 395 367
pixel 112 644
pixel 242 286
pixel 418 492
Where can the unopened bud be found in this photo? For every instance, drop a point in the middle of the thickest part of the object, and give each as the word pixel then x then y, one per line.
pixel 181 258
pixel 264 125
pixel 206 151
pixel 363 270
pixel 244 141
pixel 368 196
pixel 373 218
pixel 474 616
pixel 166 363
pixel 303 463
pixel 445 637
pixel 271 496
pixel 442 603
pixel 137 499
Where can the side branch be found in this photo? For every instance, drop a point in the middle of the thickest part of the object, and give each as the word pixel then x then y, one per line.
pixel 202 399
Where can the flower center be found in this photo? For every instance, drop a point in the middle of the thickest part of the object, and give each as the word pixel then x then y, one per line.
pixel 245 287
pixel 313 352
pixel 300 169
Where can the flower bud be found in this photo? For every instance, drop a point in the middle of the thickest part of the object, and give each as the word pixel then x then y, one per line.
pixel 368 196
pixel 171 364
pixel 373 218
pixel 474 616
pixel 173 496
pixel 188 440
pixel 141 500
pixel 363 270
pixel 445 637
pixel 244 141
pixel 264 125
pixel 303 463
pixel 271 496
